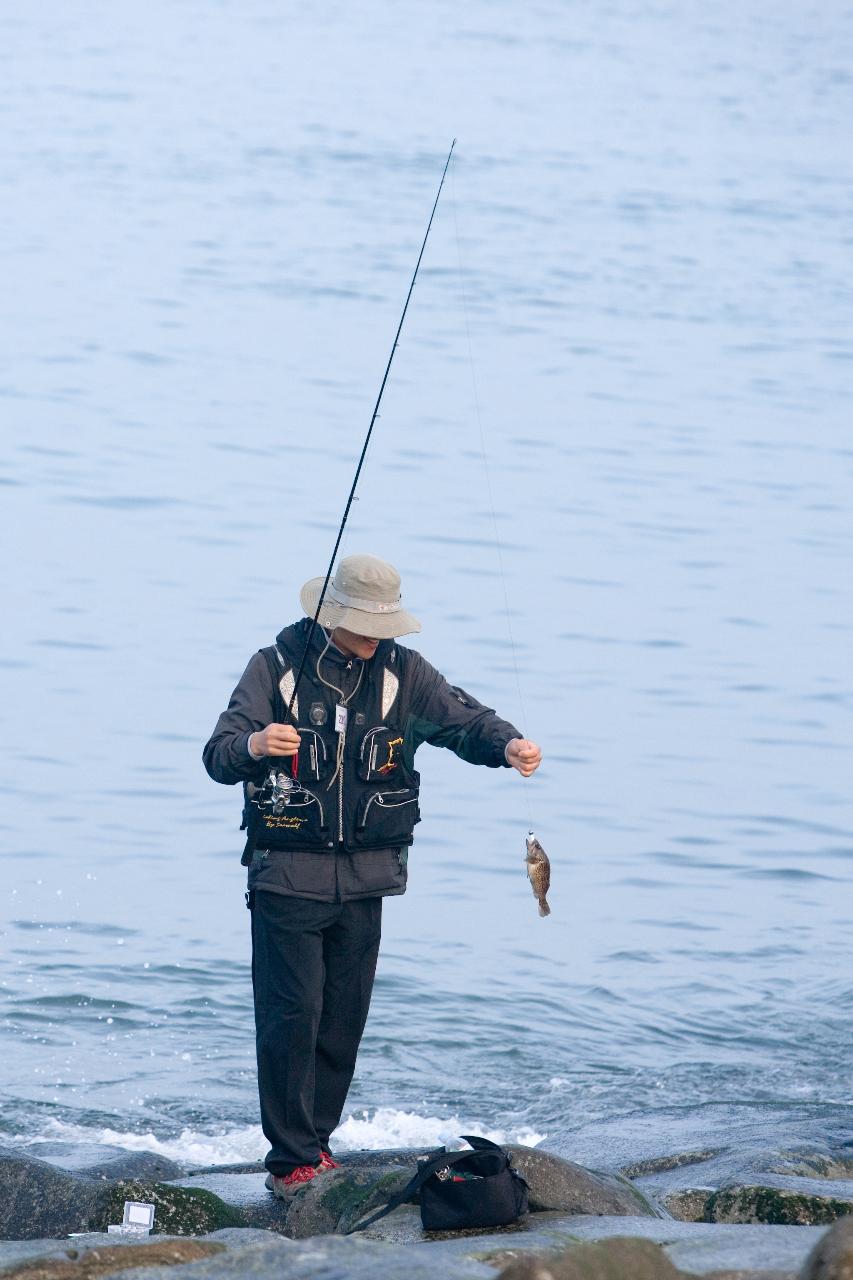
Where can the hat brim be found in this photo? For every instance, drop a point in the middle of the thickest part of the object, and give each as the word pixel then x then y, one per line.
pixel 376 626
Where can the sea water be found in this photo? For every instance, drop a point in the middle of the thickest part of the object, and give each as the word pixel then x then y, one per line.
pixel 613 465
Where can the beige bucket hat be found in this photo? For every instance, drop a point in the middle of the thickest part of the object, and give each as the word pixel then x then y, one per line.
pixel 362 597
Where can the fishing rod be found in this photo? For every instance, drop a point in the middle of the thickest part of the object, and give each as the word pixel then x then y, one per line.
pixel 375 415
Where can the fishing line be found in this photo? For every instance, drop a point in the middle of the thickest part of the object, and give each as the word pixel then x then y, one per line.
pixel 375 415
pixel 489 490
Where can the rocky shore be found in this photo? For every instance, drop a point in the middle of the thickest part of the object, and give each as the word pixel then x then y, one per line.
pixel 663 1202
pixel 728 1162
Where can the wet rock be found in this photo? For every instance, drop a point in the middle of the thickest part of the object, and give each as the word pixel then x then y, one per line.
pixel 242 1187
pixel 94 1160
pixel 336 1201
pixel 382 1159
pixel 798 1158
pixel 246 1195
pixel 688 1206
pixel 665 1164
pixel 99 1254
pixel 776 1205
pixel 740 1274
pixel 261 1254
pixel 791 1200
pixel 734 1136
pixel 38 1200
pixel 108 1258
pixel 832 1256
pixel 15 1252
pixel 721 1252
pixel 142 1166
pixel 178 1211
pixel 811 1163
pixel 706 1248
pixel 610 1260
pixel 556 1183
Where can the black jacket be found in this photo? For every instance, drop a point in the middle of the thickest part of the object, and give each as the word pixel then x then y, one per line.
pixel 426 709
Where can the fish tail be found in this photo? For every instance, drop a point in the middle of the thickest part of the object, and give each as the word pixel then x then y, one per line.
pixel 544 909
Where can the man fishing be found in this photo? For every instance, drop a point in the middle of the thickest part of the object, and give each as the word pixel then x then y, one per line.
pixel 331 806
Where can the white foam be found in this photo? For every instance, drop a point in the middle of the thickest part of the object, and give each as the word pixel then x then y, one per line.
pixel 387 1127
pixel 228 1146
pixel 383 1127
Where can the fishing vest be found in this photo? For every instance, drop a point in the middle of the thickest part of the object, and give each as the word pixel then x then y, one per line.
pixel 371 802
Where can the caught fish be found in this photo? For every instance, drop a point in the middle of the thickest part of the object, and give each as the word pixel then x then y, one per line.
pixel 538 873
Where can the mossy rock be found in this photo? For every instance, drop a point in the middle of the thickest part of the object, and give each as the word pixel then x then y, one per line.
pixel 338 1200
pixel 688 1206
pixel 774 1206
pixel 178 1211
pixel 350 1203
pixel 814 1164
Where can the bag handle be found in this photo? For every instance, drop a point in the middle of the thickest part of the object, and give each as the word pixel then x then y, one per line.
pixel 479 1144
pixel 426 1168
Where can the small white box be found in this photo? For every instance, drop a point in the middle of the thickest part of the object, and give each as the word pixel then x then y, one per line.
pixel 137 1221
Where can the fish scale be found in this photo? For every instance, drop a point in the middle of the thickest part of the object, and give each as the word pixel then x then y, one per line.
pixel 538 873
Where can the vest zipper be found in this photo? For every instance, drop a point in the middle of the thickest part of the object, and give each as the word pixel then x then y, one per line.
pixel 341 774
pixel 384 802
pixel 341 799
pixel 372 737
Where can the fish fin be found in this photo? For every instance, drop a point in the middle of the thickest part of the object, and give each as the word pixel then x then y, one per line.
pixel 544 909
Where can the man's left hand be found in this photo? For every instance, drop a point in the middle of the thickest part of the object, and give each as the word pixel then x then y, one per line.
pixel 523 755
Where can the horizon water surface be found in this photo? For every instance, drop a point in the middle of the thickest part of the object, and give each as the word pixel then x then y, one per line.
pixel 636 300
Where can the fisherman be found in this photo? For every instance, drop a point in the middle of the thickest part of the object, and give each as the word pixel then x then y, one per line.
pixel 329 833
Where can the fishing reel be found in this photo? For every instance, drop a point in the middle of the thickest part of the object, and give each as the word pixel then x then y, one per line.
pixel 274 795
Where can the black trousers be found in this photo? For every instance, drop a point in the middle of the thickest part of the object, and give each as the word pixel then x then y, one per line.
pixel 313 965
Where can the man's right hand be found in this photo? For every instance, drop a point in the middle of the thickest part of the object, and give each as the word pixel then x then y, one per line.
pixel 275 740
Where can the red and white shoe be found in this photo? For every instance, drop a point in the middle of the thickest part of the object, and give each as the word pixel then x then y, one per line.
pixel 326 1162
pixel 292 1182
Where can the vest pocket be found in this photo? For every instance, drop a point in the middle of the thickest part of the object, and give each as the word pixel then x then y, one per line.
pixel 387 817
pixel 300 823
pixel 313 756
pixel 380 755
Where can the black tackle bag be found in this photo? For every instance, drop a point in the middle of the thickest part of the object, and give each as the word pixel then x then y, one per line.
pixel 463 1189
